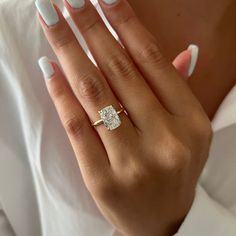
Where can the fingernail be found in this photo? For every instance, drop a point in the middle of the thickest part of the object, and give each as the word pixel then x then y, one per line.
pixel 46 67
pixel 76 3
pixel 47 11
pixel 194 57
pixel 109 2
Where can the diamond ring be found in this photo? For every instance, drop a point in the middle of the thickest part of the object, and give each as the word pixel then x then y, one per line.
pixel 109 117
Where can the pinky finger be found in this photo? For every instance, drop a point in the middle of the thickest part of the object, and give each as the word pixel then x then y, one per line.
pixel 75 121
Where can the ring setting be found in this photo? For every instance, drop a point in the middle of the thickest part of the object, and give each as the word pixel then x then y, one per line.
pixel 109 117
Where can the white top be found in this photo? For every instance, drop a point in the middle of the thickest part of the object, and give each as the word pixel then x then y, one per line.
pixel 41 189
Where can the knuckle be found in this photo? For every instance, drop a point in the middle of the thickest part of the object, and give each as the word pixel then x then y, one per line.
pixel 121 66
pixel 202 128
pixel 137 178
pixel 178 155
pixel 57 91
pixel 91 24
pixel 73 125
pixel 63 39
pixel 125 19
pixel 106 191
pixel 204 131
pixel 91 87
pixel 136 174
pixel 150 53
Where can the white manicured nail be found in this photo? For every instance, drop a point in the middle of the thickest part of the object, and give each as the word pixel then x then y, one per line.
pixel 194 57
pixel 109 2
pixel 46 67
pixel 76 3
pixel 47 11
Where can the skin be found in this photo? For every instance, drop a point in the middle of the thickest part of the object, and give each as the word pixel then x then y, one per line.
pixel 209 24
pixel 142 175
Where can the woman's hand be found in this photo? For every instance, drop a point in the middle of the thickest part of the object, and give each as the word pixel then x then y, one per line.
pixel 143 174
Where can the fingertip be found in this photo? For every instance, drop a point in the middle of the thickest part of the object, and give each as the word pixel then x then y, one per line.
pixel 182 63
pixel 185 63
pixel 47 67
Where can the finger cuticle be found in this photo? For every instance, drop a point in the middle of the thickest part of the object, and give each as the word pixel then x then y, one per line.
pixel 110 2
pixel 76 3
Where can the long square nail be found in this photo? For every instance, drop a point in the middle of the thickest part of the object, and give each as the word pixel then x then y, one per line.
pixel 47 11
pixel 46 67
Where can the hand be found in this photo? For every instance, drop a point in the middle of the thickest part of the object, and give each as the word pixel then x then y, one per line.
pixel 143 174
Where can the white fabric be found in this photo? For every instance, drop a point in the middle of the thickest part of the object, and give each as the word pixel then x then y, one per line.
pixel 41 189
